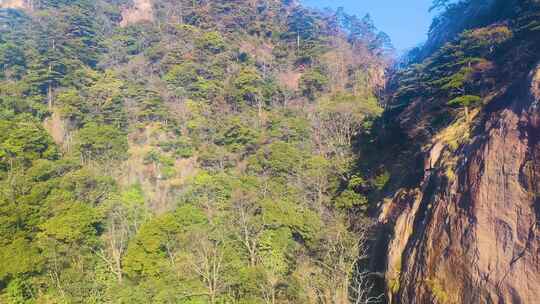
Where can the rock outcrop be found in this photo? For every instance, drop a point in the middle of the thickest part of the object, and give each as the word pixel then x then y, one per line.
pixel 473 235
pixel 16 4
pixel 141 11
pixel 469 231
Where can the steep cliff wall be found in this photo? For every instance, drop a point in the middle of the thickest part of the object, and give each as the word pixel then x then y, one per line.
pixel 476 239
pixel 469 231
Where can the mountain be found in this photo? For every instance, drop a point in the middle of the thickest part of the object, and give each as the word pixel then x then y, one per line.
pixel 463 221
pixel 258 151
pixel 158 151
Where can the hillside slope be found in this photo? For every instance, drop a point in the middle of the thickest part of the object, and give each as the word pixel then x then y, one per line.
pixel 167 151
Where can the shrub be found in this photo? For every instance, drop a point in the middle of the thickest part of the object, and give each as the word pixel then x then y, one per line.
pixel 381 180
pixel 181 147
pixel 349 199
pixel 486 38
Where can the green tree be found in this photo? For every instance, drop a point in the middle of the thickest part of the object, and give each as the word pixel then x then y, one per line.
pixel 23 141
pixel 312 83
pixel 247 87
pixel 212 42
pixel 465 101
pixel 101 142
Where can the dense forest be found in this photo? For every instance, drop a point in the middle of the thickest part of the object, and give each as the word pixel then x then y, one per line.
pixel 185 151
pixel 259 151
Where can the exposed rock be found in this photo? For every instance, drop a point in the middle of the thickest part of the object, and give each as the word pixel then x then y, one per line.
pixel 58 129
pixel 474 238
pixel 141 11
pixel 16 4
pixel 290 79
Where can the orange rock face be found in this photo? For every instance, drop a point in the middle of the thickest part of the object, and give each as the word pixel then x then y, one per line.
pixel 476 238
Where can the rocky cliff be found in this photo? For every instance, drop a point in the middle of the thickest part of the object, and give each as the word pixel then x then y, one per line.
pixel 475 239
pixel 469 232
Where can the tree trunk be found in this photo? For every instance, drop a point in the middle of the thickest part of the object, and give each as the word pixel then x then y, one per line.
pixel 49 94
pixel 298 43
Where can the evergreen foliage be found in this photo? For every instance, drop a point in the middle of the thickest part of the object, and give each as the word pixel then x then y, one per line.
pixel 203 156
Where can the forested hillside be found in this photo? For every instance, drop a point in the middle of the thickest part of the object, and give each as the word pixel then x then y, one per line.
pixel 179 151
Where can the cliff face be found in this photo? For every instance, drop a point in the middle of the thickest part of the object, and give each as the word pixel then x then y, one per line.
pixel 476 239
pixel 469 231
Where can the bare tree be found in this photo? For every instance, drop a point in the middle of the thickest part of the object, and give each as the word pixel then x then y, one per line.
pixel 122 222
pixel 334 125
pixel 362 288
pixel 116 240
pixel 341 282
pixel 269 288
pixel 208 264
pixel 248 227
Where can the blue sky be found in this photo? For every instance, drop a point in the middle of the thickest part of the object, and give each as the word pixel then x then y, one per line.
pixel 406 21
